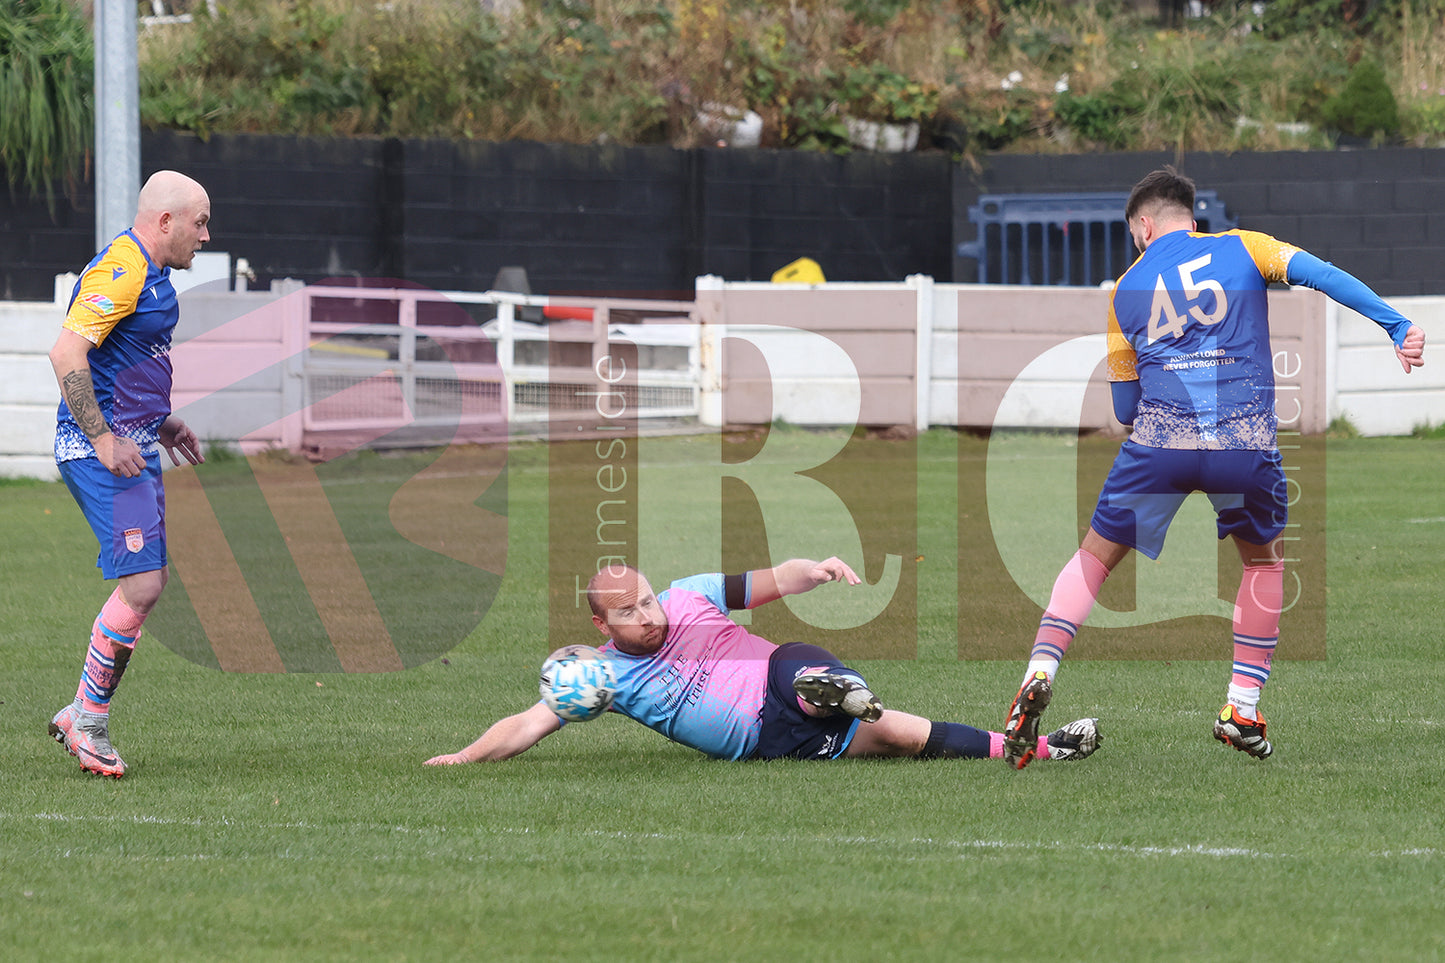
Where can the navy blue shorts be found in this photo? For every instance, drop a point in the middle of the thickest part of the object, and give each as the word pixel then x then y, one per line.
pixel 788 732
pixel 1146 486
pixel 127 515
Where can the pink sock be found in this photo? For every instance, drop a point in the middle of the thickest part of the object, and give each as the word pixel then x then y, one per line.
pixel 1072 600
pixel 995 746
pixel 112 639
pixel 1256 626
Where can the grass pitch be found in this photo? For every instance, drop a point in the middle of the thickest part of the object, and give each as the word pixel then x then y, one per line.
pixel 288 817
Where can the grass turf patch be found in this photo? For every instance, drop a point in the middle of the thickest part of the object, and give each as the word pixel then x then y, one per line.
pixel 289 816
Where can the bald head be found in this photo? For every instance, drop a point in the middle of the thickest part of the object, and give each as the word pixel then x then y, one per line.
pixel 168 191
pixel 612 582
pixel 172 214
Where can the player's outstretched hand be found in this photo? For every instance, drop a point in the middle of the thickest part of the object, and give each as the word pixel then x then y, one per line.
pixel 834 570
pixel 449 759
pixel 177 436
pixel 1412 351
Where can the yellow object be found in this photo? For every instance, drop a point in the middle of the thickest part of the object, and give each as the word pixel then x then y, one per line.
pixel 804 270
pixel 341 347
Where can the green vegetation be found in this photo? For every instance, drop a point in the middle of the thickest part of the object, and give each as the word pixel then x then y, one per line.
pixel 980 75
pixel 288 817
pixel 1365 107
pixel 46 79
pixel 1342 427
pixel 977 75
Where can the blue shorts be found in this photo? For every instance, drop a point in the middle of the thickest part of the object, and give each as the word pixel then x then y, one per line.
pixel 789 732
pixel 127 515
pixel 1146 486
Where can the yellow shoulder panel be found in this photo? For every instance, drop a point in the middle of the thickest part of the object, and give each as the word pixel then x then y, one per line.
pixel 108 291
pixel 1270 254
pixel 1121 360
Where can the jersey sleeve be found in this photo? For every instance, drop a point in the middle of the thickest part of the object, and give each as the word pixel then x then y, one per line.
pixel 1344 287
pixel 1271 255
pixel 1122 362
pixel 711 586
pixel 1125 396
pixel 107 293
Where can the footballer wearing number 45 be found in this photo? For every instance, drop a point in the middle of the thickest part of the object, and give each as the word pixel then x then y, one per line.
pixel 1191 370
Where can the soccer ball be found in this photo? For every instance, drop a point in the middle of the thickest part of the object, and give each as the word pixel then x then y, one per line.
pixel 578 682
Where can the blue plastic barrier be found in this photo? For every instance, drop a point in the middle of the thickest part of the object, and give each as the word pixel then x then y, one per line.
pixel 1078 239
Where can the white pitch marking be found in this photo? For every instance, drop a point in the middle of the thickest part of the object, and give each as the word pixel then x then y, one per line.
pixel 1194 849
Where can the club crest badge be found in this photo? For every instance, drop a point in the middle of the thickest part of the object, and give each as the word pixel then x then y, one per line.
pixel 134 540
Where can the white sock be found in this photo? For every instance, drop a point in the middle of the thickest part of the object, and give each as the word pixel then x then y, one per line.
pixel 1245 698
pixel 1049 667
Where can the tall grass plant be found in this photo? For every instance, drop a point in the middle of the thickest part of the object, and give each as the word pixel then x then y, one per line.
pixel 47 70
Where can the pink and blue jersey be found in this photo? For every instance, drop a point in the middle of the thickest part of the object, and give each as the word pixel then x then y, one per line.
pixel 705 687
pixel 126 306
pixel 1189 320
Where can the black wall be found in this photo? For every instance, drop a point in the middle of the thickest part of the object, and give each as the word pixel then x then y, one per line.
pixel 1379 214
pixel 579 219
pixel 650 219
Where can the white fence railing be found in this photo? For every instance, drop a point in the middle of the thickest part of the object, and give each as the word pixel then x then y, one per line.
pixel 378 367
pixel 552 366
pixel 313 368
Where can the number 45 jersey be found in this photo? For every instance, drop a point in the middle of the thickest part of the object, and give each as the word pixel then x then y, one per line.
pixel 1190 321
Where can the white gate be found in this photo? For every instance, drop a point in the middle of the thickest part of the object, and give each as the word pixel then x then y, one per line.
pixel 404 366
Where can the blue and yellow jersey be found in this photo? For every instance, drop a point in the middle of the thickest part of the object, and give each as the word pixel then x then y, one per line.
pixel 1190 321
pixel 125 306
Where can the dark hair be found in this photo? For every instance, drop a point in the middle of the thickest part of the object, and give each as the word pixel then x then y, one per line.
pixel 1166 187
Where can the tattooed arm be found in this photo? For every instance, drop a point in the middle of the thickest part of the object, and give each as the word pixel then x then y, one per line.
pixel 71 361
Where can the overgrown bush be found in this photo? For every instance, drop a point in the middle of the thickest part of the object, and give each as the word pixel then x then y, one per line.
pixel 1283 18
pixel 1105 118
pixel 441 68
pixel 47 72
pixel 1365 107
pixel 979 75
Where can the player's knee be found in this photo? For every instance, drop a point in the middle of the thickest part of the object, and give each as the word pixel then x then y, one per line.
pixel 142 590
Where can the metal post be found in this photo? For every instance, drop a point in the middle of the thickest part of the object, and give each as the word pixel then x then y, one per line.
pixel 117 118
